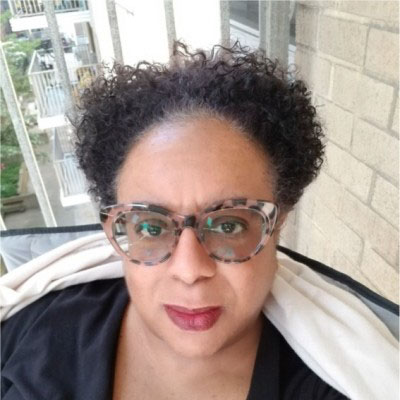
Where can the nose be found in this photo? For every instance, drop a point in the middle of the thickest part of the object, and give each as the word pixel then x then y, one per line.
pixel 190 262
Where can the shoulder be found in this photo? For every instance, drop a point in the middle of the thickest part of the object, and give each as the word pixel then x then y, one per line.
pixel 66 304
pixel 57 333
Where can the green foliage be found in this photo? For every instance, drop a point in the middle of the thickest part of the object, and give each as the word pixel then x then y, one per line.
pixel 5 16
pixel 9 178
pixel 18 54
pixel 8 139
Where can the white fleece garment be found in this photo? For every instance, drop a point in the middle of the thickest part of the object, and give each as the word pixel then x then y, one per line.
pixel 331 330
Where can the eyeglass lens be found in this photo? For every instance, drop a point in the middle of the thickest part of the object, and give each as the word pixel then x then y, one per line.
pixel 227 234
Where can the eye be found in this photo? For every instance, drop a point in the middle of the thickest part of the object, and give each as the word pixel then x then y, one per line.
pixel 151 228
pixel 226 225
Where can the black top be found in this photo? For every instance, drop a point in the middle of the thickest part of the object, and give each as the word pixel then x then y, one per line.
pixel 63 346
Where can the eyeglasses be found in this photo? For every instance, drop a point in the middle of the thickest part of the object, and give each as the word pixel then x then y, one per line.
pixel 231 231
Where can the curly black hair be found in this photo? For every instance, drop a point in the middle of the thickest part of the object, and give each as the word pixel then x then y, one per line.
pixel 270 105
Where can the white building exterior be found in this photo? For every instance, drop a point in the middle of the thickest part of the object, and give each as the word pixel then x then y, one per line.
pixel 143 29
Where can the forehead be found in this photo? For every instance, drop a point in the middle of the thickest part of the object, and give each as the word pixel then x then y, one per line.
pixel 189 164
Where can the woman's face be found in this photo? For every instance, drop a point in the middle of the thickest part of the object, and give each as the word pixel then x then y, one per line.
pixel 184 167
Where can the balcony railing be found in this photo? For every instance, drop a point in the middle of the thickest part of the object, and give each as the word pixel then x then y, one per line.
pixel 46 83
pixel 24 8
pixel 73 188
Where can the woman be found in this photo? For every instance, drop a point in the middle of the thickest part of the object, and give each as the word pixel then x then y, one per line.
pixel 196 166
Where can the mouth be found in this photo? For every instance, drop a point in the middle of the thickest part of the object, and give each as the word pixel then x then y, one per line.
pixel 193 319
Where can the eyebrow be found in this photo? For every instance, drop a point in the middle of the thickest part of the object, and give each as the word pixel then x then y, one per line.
pixel 201 207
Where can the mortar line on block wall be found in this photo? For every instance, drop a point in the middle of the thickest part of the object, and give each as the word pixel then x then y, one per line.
pixel 393 112
pixel 353 124
pixel 365 50
pixel 380 78
pixel 330 87
pixel 354 270
pixel 334 231
pixel 330 102
pixel 347 189
pixel 345 16
pixel 389 178
pixel 317 227
pixel 328 57
pixel 341 63
pixel 291 238
pixel 317 31
pixel 381 255
pixel 305 48
pixel 392 27
pixel 378 212
pixel 370 73
pixel 371 189
pixel 337 144
pixel 361 255
pixel 358 19
pixel 327 258
pixel 382 128
pixel 362 239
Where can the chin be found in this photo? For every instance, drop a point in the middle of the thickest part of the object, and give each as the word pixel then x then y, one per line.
pixel 197 345
pixel 207 343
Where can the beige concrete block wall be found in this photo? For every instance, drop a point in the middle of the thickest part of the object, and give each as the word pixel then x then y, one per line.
pixel 348 53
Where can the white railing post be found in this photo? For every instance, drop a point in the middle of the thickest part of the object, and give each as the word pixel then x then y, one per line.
pixel 47 85
pixel 29 6
pixel 38 9
pixel 59 57
pixel 36 92
pixel 24 142
pixel 34 7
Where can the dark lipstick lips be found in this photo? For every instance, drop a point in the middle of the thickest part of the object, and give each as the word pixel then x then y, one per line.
pixel 198 319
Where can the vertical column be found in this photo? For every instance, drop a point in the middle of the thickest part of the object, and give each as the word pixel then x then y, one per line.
pixel 12 7
pixel 24 142
pixel 225 29
pixel 2 224
pixel 170 23
pixel 116 40
pixel 275 29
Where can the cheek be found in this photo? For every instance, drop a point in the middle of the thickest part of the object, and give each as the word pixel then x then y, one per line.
pixel 259 274
pixel 251 288
pixel 255 286
pixel 141 282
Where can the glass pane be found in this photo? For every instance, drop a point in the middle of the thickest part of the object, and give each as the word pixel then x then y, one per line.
pixel 31 62
pixel 245 12
pixel 244 22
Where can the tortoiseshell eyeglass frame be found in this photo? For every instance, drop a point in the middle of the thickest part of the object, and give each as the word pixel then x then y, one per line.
pixel 268 210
